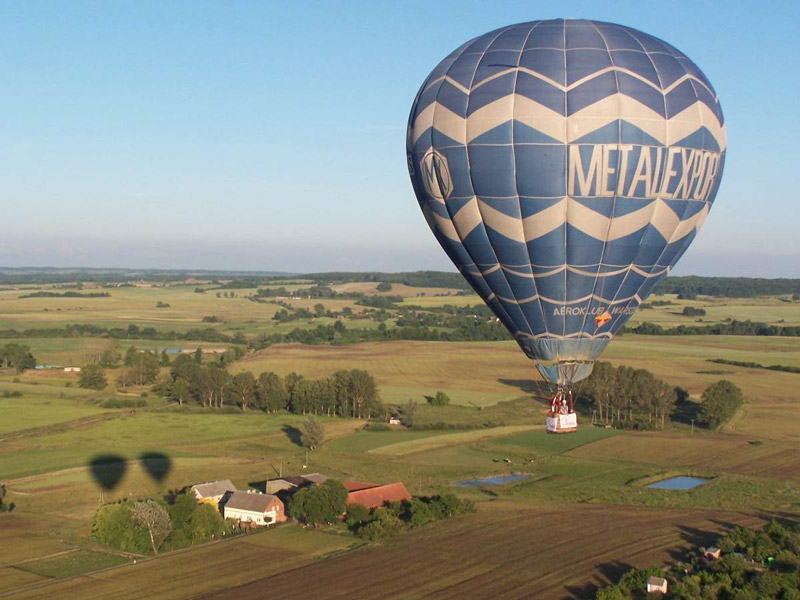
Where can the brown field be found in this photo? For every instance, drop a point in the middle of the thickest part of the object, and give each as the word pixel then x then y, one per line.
pixel 504 552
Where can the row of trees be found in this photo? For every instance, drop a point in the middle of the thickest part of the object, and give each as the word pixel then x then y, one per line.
pixel 147 525
pixel 351 393
pixel 18 356
pixel 733 327
pixel 727 287
pixel 387 521
pixel 629 397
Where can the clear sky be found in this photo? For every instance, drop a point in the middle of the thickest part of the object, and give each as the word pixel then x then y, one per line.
pixel 271 135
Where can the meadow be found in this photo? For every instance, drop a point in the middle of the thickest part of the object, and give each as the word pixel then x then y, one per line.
pixel 591 482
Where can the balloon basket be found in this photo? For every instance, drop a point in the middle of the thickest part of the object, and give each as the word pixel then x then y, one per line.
pixel 557 423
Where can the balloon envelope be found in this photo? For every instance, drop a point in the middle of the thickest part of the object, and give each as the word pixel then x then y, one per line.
pixel 565 166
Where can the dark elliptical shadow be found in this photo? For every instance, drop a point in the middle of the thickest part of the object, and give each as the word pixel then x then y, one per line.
pixel 157 465
pixel 107 470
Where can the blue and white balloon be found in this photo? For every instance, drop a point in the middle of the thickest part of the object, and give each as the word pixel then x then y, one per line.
pixel 565 166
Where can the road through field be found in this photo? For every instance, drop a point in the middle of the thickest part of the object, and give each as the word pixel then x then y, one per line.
pixel 504 551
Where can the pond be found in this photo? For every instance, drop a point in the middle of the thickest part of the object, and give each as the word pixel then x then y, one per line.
pixel 498 480
pixel 678 483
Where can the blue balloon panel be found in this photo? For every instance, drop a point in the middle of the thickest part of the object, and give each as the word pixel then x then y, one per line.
pixel 565 166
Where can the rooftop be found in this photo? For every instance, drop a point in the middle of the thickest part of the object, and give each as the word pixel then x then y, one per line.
pixel 380 495
pixel 214 488
pixel 255 502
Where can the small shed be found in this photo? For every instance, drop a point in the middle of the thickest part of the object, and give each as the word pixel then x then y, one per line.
pixel 395 421
pixel 712 553
pixel 72 369
pixel 254 507
pixel 656 584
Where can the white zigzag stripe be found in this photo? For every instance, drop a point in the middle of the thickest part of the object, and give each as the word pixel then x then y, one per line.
pixel 656 213
pixel 568 129
pixel 572 86
pixel 554 336
pixel 537 297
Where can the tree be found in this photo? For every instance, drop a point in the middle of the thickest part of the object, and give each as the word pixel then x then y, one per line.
pixel 18 356
pixel 416 513
pixel 143 369
pixel 130 354
pixel 198 356
pixel 180 391
pixel 356 514
pixel 243 386
pixel 111 357
pixel 319 310
pixel 153 517
pixel 92 377
pixel 272 393
pixel 323 503
pixel 384 286
pixel 440 399
pixel 719 402
pixel 312 433
pixel 3 506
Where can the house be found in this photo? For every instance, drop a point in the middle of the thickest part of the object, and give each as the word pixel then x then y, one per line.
pixel 395 421
pixel 374 497
pixel 656 584
pixel 212 491
pixel 254 507
pixel 712 553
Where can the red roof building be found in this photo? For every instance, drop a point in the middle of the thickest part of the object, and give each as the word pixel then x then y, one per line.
pixel 354 486
pixel 377 496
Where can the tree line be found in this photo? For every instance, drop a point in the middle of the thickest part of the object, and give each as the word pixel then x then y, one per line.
pixel 628 397
pixel 635 399
pixel 148 525
pixel 352 393
pixel 733 327
pixel 207 334
pixel 18 356
pixel 689 287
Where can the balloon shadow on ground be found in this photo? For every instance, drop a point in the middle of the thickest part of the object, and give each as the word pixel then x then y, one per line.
pixel 294 434
pixel 107 470
pixel 611 572
pixel 156 464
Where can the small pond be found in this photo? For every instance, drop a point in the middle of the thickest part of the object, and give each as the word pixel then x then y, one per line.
pixel 498 480
pixel 678 483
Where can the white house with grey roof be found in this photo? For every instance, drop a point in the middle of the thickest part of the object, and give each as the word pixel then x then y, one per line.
pixel 253 507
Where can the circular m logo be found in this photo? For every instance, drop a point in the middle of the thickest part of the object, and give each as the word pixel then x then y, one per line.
pixel 435 175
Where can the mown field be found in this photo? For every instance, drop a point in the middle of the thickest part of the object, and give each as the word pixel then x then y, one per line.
pixel 585 505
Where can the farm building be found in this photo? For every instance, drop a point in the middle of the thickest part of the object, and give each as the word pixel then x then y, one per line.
pixel 656 584
pixel 254 507
pixel 374 497
pixel 291 482
pixel 395 421
pixel 72 369
pixel 213 491
pixel 355 486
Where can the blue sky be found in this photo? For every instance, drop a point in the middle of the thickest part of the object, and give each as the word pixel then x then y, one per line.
pixel 271 135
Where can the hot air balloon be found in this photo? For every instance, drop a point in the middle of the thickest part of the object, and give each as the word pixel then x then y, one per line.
pixel 565 166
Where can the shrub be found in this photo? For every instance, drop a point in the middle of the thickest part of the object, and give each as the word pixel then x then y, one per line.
pixel 440 399
pixel 356 514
